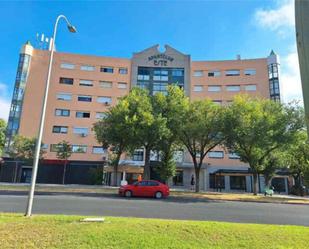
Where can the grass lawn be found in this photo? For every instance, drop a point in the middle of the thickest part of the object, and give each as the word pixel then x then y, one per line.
pixel 50 231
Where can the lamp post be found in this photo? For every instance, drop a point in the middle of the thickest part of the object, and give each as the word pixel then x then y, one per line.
pixel 42 120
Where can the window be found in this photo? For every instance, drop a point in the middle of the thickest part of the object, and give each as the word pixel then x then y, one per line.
pixel 67 66
pixel 143 77
pixel 216 181
pixel 198 73
pixel 138 155
pixel 60 129
pixel 214 88
pixel 107 69
pixel 87 68
pixel 81 114
pixel 152 183
pixel 250 87
pixel 80 130
pixel 214 73
pixel 238 182
pixel 97 150
pixel 178 178
pixel 85 83
pixel 232 72
pixel 66 81
pixel 217 102
pixel 84 98
pixel 233 155
pixel 104 100
pixel 160 75
pixel 54 147
pixel 79 148
pixel 123 70
pixel 250 72
pixel 215 154
pixel 177 72
pixel 143 85
pixel 100 115
pixel 64 96
pixel 122 85
pixel 233 88
pixel 105 84
pixel 198 88
pixel 62 112
pixel 143 74
pixel 160 87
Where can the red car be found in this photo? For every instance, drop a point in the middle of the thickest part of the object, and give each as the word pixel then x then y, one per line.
pixel 145 188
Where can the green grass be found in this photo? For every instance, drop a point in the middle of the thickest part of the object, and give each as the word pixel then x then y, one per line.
pixel 63 232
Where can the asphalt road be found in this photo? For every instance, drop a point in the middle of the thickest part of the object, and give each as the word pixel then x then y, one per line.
pixel 171 208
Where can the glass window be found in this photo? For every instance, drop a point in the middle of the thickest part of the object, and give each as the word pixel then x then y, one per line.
pixel 100 115
pixel 238 182
pixel 214 73
pixel 81 114
pixel 62 112
pixel 84 98
pixel 217 102
pixel 216 181
pixel 177 72
pixel 79 148
pixel 97 150
pixel 198 73
pixel 105 100
pixel 138 155
pixel 233 155
pixel 123 70
pixel 122 85
pixel 143 85
pixel 160 87
pixel 85 83
pixel 198 88
pixel 143 77
pixel 80 130
pixel 106 84
pixel 233 88
pixel 215 154
pixel 64 96
pixel 250 87
pixel 250 72
pixel 232 72
pixel 214 88
pixel 54 147
pixel 60 129
pixel 87 68
pixel 107 69
pixel 66 81
pixel 67 66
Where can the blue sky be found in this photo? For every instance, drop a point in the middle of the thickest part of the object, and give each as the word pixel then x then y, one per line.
pixel 207 30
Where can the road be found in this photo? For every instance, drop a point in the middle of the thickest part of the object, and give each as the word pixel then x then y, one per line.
pixel 171 208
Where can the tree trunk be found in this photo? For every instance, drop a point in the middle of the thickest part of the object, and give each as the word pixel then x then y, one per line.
pixel 197 179
pixel 255 183
pixel 115 174
pixel 64 171
pixel 147 164
pixel 268 180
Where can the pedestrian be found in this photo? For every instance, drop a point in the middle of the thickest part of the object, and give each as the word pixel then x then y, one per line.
pixel 192 182
pixel 139 178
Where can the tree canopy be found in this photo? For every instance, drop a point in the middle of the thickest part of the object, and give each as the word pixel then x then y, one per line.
pixel 2 135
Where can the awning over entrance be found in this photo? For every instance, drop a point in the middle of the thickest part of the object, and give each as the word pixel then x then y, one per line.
pixel 233 172
pixel 126 168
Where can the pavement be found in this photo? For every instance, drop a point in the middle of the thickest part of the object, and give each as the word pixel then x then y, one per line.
pixel 170 208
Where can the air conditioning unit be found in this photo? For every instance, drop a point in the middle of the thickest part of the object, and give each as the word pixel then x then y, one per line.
pixel 83 134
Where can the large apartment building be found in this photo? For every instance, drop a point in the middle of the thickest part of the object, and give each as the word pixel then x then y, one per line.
pixel 84 87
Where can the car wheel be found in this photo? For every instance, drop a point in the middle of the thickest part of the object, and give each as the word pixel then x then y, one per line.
pixel 128 193
pixel 158 195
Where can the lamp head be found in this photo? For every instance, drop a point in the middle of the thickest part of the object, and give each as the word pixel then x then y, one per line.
pixel 71 28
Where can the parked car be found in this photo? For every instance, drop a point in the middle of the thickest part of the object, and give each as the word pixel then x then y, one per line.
pixel 145 188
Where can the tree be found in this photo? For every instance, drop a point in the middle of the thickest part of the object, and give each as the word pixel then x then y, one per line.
pixel 173 106
pixel 256 127
pixel 2 135
pixel 115 131
pixel 146 126
pixel 201 132
pixel 23 148
pixel 64 152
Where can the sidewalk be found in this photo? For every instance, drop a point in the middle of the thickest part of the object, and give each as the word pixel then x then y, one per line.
pixel 174 193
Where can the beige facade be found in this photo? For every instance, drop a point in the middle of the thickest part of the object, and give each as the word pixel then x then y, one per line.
pixel 84 87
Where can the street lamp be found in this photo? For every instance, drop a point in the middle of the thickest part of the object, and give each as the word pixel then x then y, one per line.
pixel 72 29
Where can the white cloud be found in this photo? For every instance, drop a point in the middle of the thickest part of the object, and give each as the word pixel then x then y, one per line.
pixel 290 78
pixel 279 19
pixel 4 102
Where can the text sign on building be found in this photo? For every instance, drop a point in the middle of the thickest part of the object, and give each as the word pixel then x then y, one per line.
pixel 160 59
